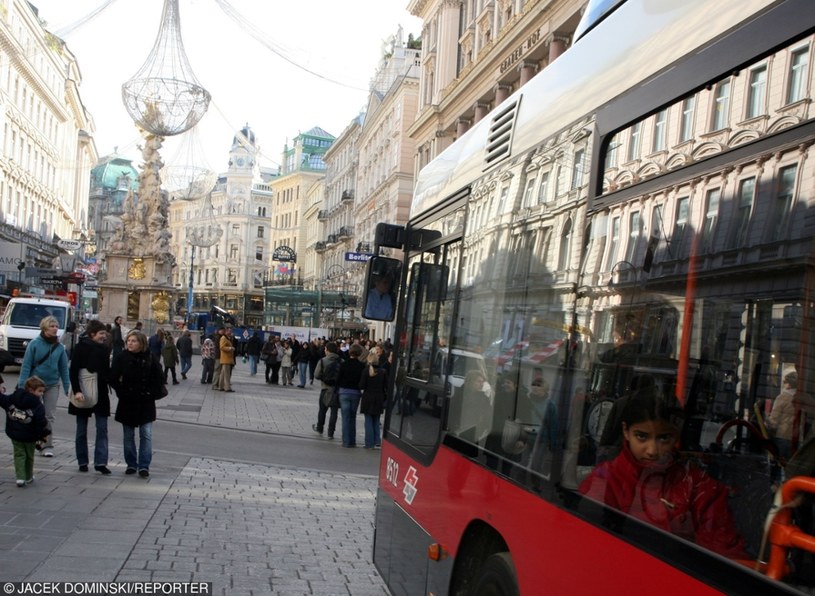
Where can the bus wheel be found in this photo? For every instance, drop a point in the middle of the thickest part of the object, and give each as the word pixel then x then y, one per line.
pixel 497 577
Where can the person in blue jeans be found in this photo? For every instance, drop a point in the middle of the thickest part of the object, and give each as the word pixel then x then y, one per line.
pixel 253 348
pixel 349 393
pixel 301 360
pixel 93 354
pixel 373 382
pixel 137 379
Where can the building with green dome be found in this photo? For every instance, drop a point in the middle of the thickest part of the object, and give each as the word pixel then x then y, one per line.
pixel 111 179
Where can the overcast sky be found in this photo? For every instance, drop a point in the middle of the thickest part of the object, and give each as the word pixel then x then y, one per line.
pixel 336 40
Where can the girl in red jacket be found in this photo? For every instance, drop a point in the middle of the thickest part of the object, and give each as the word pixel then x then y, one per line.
pixel 647 481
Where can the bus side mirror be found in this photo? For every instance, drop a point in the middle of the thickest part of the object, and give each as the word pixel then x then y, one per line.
pixel 381 283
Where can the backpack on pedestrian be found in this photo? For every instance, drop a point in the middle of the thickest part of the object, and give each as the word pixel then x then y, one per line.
pixel 331 371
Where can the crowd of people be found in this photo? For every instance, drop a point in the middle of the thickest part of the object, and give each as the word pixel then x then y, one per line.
pixel 138 368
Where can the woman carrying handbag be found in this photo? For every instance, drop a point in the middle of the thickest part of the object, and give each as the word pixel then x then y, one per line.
pixel 90 364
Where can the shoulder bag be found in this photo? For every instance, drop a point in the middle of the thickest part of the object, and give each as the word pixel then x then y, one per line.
pixel 89 386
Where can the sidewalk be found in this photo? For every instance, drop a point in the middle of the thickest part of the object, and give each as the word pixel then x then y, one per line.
pixel 247 528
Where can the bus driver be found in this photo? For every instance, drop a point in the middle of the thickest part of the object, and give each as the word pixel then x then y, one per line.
pixel 379 305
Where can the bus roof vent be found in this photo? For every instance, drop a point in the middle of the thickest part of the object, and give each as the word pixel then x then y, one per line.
pixel 499 141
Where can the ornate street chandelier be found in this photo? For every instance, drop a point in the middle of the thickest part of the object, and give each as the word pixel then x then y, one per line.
pixel 188 177
pixel 164 98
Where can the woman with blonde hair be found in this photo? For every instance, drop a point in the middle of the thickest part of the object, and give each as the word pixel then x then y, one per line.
pixel 137 379
pixel 45 357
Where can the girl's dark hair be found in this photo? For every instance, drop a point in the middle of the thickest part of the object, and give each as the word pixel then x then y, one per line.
pixel 94 326
pixel 648 404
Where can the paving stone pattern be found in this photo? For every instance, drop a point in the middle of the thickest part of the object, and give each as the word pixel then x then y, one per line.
pixel 249 529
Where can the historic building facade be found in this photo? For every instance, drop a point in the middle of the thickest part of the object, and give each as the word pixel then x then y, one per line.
pixel 475 54
pixel 47 146
pixel 224 238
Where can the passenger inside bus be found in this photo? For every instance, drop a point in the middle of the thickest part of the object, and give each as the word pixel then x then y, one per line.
pixel 648 480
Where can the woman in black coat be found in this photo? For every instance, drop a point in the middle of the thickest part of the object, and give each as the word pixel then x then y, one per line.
pixel 373 383
pixel 137 379
pixel 92 353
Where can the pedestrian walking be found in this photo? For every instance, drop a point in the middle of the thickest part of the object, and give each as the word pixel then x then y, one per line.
pixel 301 360
pixel 285 364
pixel 184 345
pixel 328 373
pixel 372 403
pixel 207 361
pixel 138 381
pixel 227 359
pixel 92 354
pixel 117 340
pixel 216 342
pixel 156 344
pixel 349 394
pixel 45 357
pixel 316 353
pixel 253 348
pixel 26 425
pixel 169 354
pixel 277 362
pixel 268 354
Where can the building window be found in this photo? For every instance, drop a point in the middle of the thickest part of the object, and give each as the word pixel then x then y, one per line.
pixel 783 201
pixel 611 152
pixel 660 125
pixel 711 217
pixel 259 253
pixel 756 95
pixel 543 192
pixel 634 232
pixel 564 255
pixel 614 241
pixel 677 240
pixel 738 233
pixel 231 277
pixel 577 169
pixel 529 193
pixel 233 251
pixel 634 142
pixel 799 63
pixel 721 105
pixel 261 231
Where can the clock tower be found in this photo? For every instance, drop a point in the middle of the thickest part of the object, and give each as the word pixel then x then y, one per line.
pixel 242 167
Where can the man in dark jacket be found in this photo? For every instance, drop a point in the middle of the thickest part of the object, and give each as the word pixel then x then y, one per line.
pixel 184 345
pixel 327 372
pixel 253 348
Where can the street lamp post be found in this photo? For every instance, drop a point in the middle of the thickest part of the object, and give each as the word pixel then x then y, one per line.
pixel 189 287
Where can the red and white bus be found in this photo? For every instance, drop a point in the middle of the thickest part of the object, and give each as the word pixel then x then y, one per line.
pixel 641 213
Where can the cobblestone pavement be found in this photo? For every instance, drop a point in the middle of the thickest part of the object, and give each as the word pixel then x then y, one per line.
pixel 247 528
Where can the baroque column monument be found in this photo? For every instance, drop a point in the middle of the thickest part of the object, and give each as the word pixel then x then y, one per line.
pixel 138 284
pixel 163 98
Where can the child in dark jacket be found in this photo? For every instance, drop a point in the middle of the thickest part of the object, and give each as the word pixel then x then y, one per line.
pixel 26 425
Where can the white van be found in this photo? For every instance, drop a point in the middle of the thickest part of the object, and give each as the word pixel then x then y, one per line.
pixel 21 323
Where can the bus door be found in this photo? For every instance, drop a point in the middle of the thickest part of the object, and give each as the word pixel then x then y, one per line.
pixel 423 378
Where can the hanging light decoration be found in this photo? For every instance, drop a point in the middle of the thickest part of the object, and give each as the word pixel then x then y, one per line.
pixel 188 177
pixel 164 98
pixel 205 231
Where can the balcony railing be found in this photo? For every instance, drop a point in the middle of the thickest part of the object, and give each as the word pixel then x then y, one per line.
pixel 320 246
pixel 347 195
pixel 346 232
pixel 332 239
pixel 322 214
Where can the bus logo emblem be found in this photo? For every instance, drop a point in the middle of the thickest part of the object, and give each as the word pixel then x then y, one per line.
pixel 411 480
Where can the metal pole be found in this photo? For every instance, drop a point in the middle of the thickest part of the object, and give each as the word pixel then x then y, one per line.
pixel 189 289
